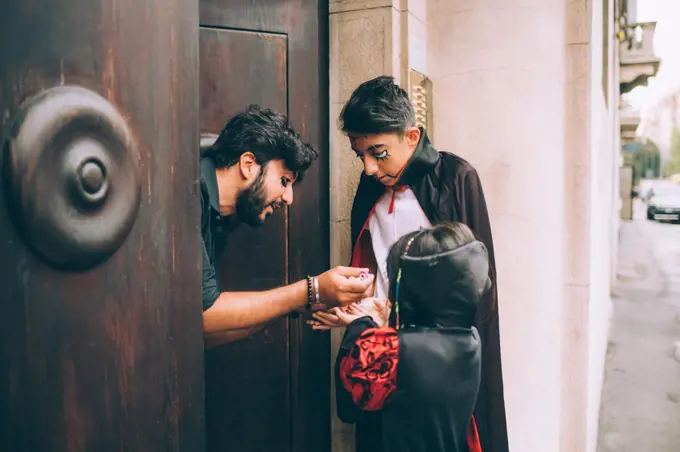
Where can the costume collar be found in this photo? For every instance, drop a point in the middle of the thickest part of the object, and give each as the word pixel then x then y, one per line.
pixel 424 158
pixel 209 177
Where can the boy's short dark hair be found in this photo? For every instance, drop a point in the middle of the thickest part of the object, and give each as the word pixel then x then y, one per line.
pixel 378 106
pixel 267 135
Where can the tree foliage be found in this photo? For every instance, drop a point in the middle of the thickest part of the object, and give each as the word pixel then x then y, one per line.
pixel 672 166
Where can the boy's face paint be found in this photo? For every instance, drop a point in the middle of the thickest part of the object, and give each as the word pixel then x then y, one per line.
pixel 385 155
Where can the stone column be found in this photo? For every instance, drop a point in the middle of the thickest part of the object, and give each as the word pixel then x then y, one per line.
pixel 368 38
pixel 591 170
pixel 499 79
pixel 581 176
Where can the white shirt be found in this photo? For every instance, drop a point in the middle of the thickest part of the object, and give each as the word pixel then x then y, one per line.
pixel 386 228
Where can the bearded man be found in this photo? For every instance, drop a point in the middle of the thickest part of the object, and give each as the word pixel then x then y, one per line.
pixel 246 175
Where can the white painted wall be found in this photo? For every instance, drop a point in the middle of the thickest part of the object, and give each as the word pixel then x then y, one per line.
pixel 498 73
pixel 603 160
pixel 599 294
pixel 527 109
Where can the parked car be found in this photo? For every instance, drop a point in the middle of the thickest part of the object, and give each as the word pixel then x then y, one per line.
pixel 664 202
pixel 654 186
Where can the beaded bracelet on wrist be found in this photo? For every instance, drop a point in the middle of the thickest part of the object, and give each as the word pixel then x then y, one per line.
pixel 310 292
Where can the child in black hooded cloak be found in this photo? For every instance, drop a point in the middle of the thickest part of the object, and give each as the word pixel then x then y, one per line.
pixel 422 372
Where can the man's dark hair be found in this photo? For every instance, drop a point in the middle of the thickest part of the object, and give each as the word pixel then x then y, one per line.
pixel 266 134
pixel 378 106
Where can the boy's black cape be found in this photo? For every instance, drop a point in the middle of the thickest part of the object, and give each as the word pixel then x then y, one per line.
pixel 448 190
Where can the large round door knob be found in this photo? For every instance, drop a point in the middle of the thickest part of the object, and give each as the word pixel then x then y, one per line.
pixel 71 172
pixel 91 177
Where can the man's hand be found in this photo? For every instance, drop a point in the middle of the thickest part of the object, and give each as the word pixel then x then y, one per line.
pixel 326 320
pixel 342 286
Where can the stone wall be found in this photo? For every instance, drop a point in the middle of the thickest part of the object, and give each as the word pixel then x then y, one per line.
pixel 368 38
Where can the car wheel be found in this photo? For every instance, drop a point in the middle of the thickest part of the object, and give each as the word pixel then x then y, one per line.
pixel 650 216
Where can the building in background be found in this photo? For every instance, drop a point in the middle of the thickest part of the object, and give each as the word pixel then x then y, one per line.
pixel 638 63
pixel 530 95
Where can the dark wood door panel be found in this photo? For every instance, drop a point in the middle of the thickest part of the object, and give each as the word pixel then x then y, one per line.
pixel 273 16
pixel 247 383
pixel 110 358
pixel 240 68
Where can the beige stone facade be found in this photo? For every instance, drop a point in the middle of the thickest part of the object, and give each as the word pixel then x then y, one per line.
pixel 528 92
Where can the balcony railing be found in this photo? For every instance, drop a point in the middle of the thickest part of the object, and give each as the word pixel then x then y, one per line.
pixel 637 58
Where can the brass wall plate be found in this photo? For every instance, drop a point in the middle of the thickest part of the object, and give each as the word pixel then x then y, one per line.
pixel 420 91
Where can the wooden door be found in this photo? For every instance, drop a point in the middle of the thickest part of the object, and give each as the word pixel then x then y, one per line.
pixel 270 392
pixel 100 331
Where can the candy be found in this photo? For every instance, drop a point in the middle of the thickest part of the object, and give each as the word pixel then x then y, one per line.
pixel 363 276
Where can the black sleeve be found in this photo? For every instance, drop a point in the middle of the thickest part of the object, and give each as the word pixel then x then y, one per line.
pixel 210 292
pixel 347 411
pixel 353 332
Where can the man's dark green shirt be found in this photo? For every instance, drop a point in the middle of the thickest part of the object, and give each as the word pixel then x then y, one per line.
pixel 213 230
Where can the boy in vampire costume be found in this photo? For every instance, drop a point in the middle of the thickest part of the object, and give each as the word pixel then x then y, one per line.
pixel 408 185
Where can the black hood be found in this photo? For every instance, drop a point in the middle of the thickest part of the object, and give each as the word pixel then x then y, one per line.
pixel 444 290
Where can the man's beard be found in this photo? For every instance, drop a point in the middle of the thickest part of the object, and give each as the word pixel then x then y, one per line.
pixel 250 202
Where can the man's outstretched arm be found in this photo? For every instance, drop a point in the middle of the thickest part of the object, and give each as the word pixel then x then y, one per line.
pixel 242 310
pixel 244 313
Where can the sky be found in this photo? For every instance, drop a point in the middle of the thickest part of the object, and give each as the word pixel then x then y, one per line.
pixel 666 46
